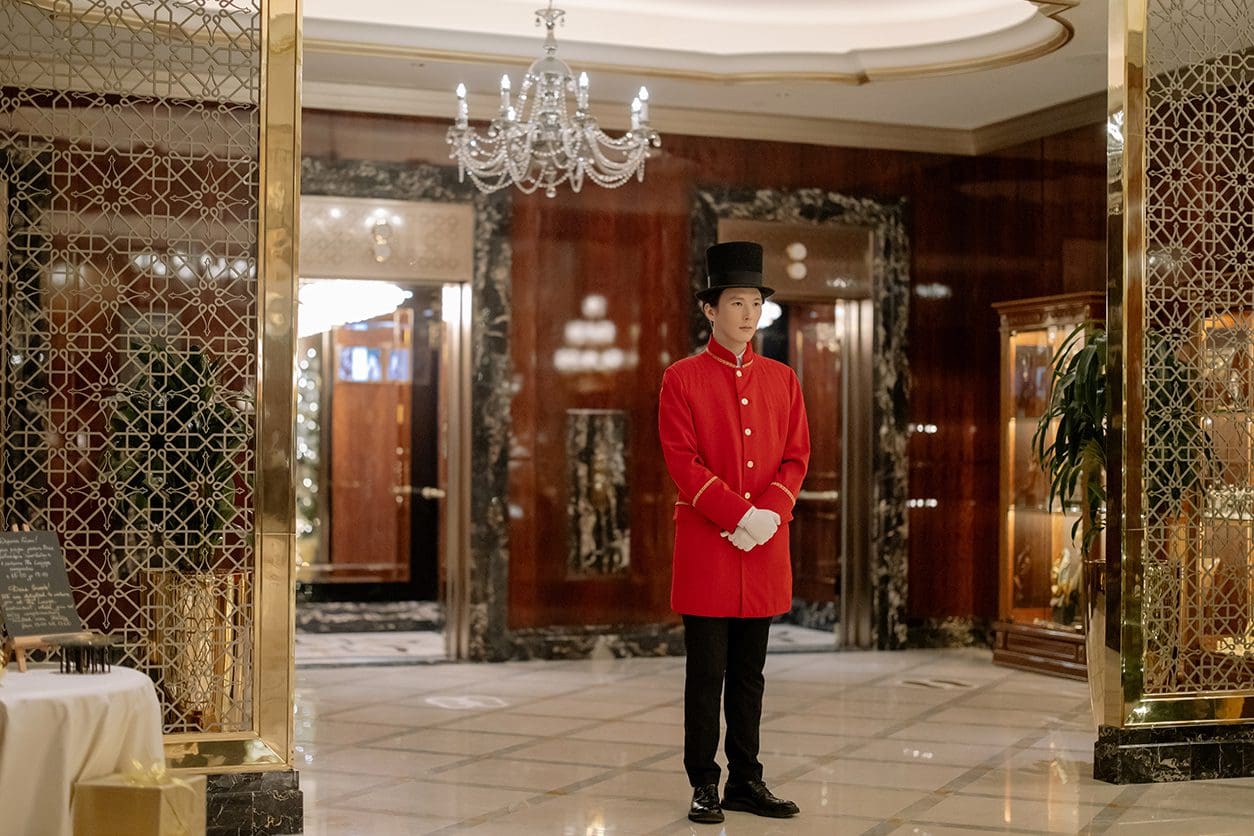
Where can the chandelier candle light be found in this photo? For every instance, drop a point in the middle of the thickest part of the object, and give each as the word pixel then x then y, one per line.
pixel 539 145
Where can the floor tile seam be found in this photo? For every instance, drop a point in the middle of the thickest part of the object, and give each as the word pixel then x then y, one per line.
pixel 449 726
pixel 441 780
pixel 962 792
pixel 386 784
pixel 919 717
pixel 898 822
pixel 322 721
pixel 1071 802
pixel 381 813
pixel 364 744
pixel 325 748
pixel 633 717
pixel 526 699
pixel 1040 721
pixel 932 720
pixel 613 772
pixel 1123 803
pixel 835 695
pixel 816 762
pixel 675 703
pixel 571 694
pixel 420 750
pixel 477 712
pixel 616 718
pixel 935 797
pixel 477 819
pixel 560 792
pixel 332 715
pixel 466 757
pixel 1174 808
pixel 991 794
pixel 930 799
pixel 670 827
pixel 845 758
pixel 884 828
pixel 502 753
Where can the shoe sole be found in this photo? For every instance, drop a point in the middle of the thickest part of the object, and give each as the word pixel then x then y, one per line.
pixel 749 808
pixel 706 819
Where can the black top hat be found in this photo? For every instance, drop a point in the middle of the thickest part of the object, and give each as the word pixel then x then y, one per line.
pixel 733 264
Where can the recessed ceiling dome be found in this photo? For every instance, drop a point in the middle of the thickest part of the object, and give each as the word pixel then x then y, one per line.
pixel 839 40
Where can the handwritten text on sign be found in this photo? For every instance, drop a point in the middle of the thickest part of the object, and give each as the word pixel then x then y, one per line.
pixel 35 593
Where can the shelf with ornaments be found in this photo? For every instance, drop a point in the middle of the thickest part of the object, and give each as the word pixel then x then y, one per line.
pixel 1039 624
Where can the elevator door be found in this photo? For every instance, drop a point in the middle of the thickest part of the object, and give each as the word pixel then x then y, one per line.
pixel 377 526
pixel 815 355
pixel 825 343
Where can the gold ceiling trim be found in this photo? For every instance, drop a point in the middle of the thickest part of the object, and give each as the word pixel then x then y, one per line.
pixel 1051 10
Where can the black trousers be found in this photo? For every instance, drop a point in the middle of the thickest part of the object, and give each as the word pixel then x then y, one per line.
pixel 725 658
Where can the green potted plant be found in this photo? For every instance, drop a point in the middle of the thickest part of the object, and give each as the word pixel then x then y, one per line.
pixel 1071 437
pixel 178 441
pixel 1070 445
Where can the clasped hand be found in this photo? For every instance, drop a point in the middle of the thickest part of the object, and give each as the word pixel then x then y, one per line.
pixel 756 527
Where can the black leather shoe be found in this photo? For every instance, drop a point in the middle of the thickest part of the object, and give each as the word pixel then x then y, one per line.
pixel 754 797
pixel 705 809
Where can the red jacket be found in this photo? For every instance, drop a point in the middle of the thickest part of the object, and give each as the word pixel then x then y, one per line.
pixel 732 438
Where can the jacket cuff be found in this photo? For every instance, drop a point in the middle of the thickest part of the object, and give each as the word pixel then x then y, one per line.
pixel 779 499
pixel 722 506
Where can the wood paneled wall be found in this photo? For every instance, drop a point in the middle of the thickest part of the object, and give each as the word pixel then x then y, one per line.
pixel 1027 221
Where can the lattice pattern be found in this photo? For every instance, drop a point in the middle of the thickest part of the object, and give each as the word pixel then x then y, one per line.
pixel 129 137
pixel 1199 348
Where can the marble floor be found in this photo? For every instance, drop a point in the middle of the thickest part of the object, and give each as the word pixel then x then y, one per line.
pixel 918 742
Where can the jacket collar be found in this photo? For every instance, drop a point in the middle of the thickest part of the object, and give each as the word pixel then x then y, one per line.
pixel 716 351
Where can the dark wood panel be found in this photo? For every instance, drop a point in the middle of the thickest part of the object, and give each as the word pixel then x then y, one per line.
pixel 612 245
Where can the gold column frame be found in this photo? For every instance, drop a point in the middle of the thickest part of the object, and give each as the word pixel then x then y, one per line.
pixel 269 744
pixel 1115 586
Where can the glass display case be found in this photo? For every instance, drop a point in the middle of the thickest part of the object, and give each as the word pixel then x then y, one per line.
pixel 1216 587
pixel 1039 624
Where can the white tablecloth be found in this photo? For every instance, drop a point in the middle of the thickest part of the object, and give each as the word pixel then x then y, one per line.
pixel 58 728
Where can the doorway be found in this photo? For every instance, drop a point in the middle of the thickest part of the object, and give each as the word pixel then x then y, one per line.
pixel 378 394
pixel 827 344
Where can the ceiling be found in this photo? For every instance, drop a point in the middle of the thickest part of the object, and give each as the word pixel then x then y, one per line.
pixel 957 76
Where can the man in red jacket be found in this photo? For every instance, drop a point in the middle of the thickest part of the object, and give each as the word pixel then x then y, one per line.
pixel 735 439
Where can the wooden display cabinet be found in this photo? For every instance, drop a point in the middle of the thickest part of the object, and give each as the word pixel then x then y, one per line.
pixel 1040 615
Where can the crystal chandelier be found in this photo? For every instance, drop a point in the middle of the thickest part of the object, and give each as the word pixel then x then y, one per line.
pixel 538 144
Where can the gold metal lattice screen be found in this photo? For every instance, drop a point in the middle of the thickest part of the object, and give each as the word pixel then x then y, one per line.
pixel 129 137
pixel 1198 387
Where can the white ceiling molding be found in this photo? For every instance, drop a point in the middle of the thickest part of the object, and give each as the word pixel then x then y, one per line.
pixel 848 41
pixel 1090 110
pixel 407 56
pixel 800 39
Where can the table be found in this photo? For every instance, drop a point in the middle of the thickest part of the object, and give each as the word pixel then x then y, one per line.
pixel 56 729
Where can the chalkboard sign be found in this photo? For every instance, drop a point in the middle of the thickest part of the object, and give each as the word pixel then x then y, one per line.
pixel 35 594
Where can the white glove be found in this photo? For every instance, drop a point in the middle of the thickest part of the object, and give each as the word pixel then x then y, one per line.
pixel 741 539
pixel 760 523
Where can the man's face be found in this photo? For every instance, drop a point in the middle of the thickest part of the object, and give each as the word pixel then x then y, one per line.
pixel 735 317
